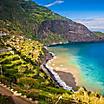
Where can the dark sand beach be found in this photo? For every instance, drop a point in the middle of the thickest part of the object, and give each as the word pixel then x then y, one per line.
pixel 69 74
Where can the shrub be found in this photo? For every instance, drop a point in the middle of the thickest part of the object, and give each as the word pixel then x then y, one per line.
pixel 26 82
pixel 6 100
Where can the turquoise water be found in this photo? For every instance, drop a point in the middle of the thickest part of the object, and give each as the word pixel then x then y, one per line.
pixel 89 58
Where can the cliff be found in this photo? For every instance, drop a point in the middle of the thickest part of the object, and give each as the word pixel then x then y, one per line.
pixel 40 23
pixel 21 57
pixel 24 15
pixel 68 29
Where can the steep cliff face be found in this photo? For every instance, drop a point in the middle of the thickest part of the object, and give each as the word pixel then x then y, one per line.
pixel 24 15
pixel 40 23
pixel 70 30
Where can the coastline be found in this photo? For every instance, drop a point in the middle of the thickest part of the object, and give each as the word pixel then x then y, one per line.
pixel 69 75
pixel 67 42
pixel 54 75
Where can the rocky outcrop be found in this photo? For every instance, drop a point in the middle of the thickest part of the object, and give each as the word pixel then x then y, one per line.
pixel 70 30
pixel 41 23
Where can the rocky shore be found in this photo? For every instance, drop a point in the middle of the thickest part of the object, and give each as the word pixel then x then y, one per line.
pixel 55 75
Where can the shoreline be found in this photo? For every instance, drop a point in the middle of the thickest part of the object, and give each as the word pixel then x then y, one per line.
pixel 67 73
pixel 70 77
pixel 50 71
pixel 66 76
pixel 68 42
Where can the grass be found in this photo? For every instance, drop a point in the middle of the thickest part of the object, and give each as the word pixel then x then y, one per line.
pixel 6 100
pixel 21 70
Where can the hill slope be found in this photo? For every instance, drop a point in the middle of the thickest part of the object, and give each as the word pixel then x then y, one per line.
pixel 21 57
pixel 24 15
pixel 20 60
pixel 41 23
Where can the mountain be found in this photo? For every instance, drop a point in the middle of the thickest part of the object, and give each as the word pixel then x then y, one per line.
pixel 24 15
pixel 41 23
pixel 20 60
pixel 21 57
pixel 67 30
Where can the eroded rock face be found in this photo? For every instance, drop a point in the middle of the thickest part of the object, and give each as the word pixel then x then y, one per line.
pixel 71 31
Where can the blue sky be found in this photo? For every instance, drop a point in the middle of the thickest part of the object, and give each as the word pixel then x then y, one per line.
pixel 88 12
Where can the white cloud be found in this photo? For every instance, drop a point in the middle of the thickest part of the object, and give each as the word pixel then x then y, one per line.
pixel 96 24
pixel 54 3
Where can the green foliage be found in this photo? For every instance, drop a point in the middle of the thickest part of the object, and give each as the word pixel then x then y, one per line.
pixel 21 70
pixel 21 57
pixel 27 82
pixel 57 90
pixel 24 16
pixel 99 33
pixel 53 38
pixel 5 100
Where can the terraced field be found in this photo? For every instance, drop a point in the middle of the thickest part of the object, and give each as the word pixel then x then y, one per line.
pixel 20 60
pixel 21 56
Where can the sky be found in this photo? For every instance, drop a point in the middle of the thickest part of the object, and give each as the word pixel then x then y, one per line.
pixel 88 12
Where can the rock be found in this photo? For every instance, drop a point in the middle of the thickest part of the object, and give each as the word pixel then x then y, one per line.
pixel 70 30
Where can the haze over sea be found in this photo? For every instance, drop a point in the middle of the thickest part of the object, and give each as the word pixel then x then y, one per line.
pixel 88 58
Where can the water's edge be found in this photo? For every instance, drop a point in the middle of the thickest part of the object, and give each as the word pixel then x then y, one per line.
pixel 78 46
pixel 54 75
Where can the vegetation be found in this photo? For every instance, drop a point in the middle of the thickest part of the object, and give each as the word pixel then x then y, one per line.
pixel 20 69
pixel 99 34
pixel 5 100
pixel 21 57
pixel 24 16
pixel 53 38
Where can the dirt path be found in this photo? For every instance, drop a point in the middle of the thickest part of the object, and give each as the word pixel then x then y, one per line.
pixel 16 99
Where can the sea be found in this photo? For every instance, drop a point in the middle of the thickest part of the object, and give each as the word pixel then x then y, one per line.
pixel 88 58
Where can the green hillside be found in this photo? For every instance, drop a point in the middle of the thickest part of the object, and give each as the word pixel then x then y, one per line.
pixel 24 16
pixel 20 69
pixel 21 55
pixel 20 60
pixel 38 22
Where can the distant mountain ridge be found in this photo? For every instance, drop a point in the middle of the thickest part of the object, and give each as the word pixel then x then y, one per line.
pixel 39 22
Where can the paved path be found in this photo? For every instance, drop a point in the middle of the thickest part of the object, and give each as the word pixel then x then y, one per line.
pixel 16 99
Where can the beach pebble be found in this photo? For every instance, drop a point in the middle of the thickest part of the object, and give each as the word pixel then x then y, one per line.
pixel 8 88
pixel 2 84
